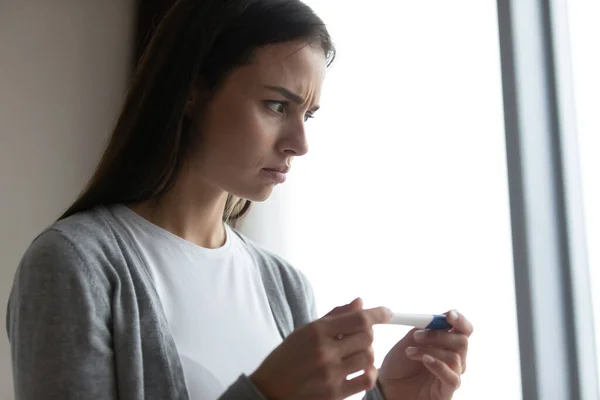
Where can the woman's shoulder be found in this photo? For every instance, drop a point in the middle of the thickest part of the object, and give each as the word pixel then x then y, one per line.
pixel 92 221
pixel 66 260
pixel 85 230
pixel 83 238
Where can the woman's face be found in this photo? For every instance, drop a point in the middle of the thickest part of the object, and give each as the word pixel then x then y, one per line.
pixel 255 124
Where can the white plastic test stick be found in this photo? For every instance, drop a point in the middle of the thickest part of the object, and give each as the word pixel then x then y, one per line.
pixel 421 321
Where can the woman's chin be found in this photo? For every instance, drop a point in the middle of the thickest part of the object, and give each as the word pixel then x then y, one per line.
pixel 259 198
pixel 260 194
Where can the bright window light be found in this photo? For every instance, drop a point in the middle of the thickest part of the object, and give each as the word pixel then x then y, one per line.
pixel 585 31
pixel 403 197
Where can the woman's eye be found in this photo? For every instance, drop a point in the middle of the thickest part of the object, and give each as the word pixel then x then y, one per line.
pixel 277 106
pixel 280 108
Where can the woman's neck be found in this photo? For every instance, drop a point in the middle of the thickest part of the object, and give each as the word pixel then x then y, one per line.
pixel 191 212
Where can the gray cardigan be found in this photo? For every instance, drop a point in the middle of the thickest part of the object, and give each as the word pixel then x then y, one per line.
pixel 85 321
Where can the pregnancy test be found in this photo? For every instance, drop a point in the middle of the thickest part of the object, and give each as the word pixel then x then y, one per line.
pixel 421 321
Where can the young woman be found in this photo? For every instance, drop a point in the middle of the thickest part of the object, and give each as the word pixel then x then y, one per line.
pixel 143 290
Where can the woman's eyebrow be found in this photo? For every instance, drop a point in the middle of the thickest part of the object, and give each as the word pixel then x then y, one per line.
pixel 290 95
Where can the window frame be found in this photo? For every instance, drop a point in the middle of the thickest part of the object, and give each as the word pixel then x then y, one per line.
pixel 554 305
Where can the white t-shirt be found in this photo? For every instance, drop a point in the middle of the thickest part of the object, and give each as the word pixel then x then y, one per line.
pixel 214 301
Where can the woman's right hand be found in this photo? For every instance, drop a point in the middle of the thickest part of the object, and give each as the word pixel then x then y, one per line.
pixel 314 361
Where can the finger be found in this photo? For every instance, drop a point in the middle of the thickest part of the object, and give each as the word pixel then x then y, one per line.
pixel 451 358
pixel 457 342
pixel 356 304
pixel 365 381
pixel 442 339
pixel 357 321
pixel 442 371
pixel 355 343
pixel 459 322
pixel 358 361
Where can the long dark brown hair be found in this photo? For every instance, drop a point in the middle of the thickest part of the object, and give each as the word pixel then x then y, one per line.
pixel 197 44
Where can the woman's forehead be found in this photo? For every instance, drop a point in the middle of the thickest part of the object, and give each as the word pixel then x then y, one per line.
pixel 298 67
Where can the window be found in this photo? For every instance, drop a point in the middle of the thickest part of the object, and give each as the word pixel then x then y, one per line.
pixel 403 199
pixel 585 31
pixel 408 160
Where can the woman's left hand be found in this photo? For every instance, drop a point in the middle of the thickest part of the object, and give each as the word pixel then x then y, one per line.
pixel 427 364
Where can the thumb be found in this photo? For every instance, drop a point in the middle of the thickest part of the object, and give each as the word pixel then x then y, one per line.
pixel 354 305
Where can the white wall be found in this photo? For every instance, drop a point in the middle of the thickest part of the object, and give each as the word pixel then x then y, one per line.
pixel 63 68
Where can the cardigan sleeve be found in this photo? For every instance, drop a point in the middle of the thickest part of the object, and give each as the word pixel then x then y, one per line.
pixel 58 324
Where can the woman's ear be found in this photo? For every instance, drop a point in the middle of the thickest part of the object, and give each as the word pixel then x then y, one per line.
pixel 192 102
pixel 196 100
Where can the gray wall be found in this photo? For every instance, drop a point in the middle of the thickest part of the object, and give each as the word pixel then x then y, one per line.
pixel 63 68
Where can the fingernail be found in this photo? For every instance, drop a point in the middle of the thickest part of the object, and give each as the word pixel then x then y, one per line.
pixel 411 351
pixel 453 315
pixel 420 336
pixel 389 312
pixel 428 359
